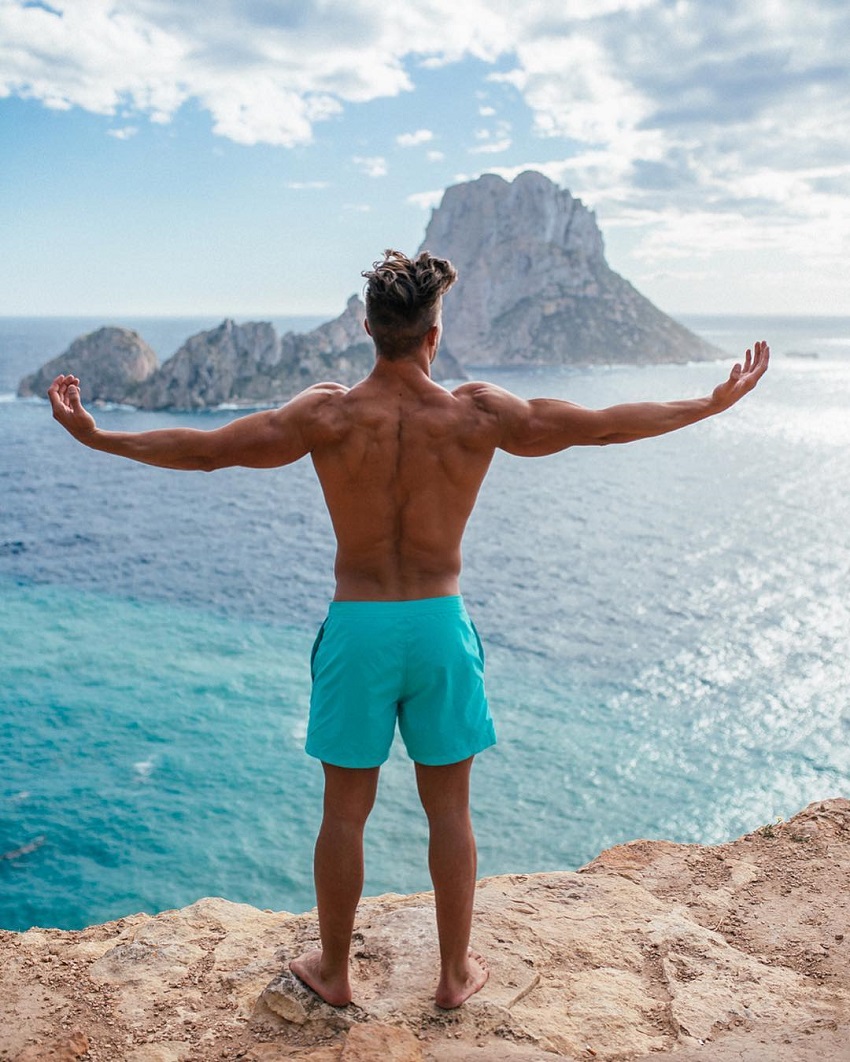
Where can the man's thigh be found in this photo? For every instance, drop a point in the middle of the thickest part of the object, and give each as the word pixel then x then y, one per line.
pixel 444 716
pixel 356 672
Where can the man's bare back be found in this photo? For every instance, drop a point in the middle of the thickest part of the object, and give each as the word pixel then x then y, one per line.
pixel 400 461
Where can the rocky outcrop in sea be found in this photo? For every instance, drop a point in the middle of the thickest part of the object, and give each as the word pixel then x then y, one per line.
pixel 534 289
pixel 250 364
pixel 111 361
pixel 233 364
pixel 655 951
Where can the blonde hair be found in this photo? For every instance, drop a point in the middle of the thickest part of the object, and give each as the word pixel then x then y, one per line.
pixel 403 298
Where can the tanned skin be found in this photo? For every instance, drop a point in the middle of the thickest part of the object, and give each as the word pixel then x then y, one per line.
pixel 400 461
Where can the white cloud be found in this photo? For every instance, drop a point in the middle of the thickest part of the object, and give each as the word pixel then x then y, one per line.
pixel 435 156
pixel 492 141
pixel 491 147
pixel 261 79
pixel 372 165
pixel 265 73
pixel 307 185
pixel 124 133
pixel 426 200
pixel 575 90
pixel 268 73
pixel 421 136
pixel 653 111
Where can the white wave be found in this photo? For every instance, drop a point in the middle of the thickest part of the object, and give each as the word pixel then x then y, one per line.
pixel 143 768
pixel 38 400
pixel 237 407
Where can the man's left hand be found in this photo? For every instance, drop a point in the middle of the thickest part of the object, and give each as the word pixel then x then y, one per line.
pixel 743 378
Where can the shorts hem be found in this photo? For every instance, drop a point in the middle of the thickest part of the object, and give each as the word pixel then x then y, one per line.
pixel 443 761
pixel 335 761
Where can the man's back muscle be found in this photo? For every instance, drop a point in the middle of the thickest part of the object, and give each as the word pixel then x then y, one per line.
pixel 400 461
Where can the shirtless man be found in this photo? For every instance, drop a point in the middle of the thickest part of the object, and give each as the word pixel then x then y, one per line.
pixel 400 461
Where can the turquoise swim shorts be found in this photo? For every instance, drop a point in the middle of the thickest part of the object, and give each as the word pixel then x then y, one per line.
pixel 419 662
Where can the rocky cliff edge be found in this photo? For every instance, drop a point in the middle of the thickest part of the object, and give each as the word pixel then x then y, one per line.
pixel 685 952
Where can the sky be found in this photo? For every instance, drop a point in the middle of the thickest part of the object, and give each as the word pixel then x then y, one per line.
pixel 246 158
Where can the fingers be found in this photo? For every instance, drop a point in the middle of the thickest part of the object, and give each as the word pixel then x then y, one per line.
pixel 56 394
pixel 762 358
pixel 755 361
pixel 64 395
pixel 61 385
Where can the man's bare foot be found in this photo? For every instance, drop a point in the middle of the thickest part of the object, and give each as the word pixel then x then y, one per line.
pixel 451 993
pixel 333 990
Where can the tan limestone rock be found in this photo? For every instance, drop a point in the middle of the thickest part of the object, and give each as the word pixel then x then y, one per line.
pixel 111 364
pixel 389 1043
pixel 164 1051
pixel 65 1049
pixel 654 950
pixel 534 286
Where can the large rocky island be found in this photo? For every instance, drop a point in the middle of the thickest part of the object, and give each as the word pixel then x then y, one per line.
pixel 732 953
pixel 534 289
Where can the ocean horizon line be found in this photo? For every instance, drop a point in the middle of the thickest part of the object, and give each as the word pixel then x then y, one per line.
pixel 329 314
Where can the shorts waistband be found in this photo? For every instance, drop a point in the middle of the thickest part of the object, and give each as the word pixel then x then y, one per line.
pixel 450 605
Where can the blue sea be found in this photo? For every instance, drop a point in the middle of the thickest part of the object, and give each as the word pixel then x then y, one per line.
pixel 667 629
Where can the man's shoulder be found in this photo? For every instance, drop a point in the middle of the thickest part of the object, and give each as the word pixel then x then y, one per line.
pixel 325 389
pixel 312 411
pixel 315 397
pixel 486 396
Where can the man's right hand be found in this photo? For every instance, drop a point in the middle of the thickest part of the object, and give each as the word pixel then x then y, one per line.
pixel 266 439
pixel 68 409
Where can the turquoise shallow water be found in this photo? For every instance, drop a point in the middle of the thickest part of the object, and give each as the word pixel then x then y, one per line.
pixel 154 754
pixel 667 628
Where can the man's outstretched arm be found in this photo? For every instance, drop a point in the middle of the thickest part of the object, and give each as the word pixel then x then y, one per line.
pixel 540 426
pixel 260 440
